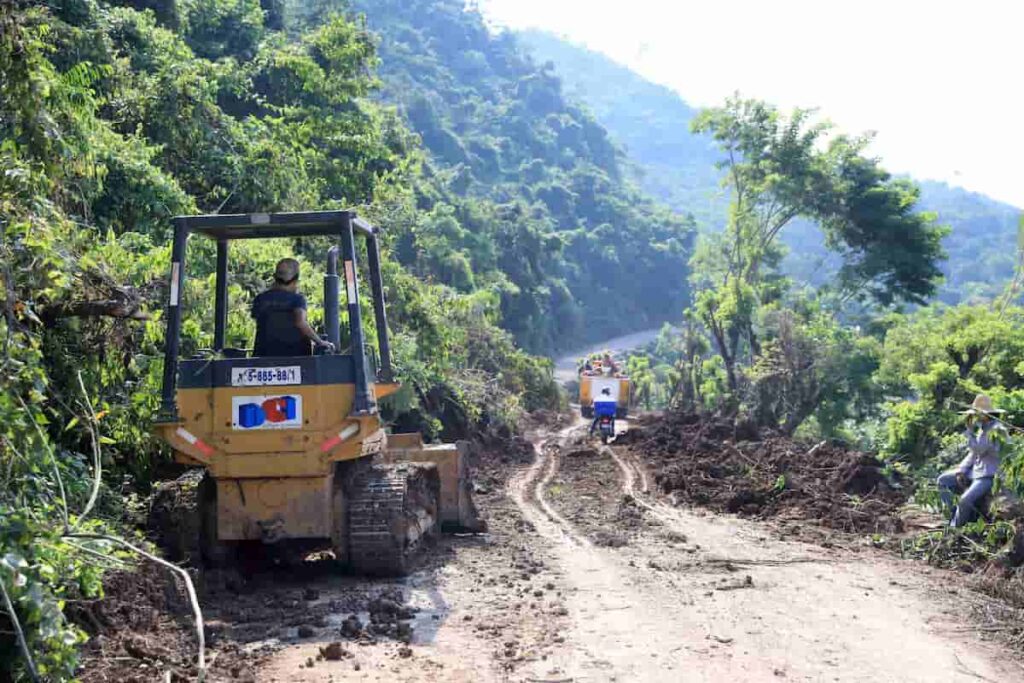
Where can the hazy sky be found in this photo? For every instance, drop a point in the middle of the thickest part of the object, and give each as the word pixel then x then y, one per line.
pixel 940 82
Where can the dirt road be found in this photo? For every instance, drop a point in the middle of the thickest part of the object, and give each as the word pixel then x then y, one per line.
pixel 585 576
pixel 704 598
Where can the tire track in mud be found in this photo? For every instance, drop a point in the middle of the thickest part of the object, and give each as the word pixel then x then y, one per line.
pixel 667 611
pixel 616 632
pixel 527 490
pixel 632 474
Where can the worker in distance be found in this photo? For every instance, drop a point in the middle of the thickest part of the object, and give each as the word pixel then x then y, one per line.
pixel 973 477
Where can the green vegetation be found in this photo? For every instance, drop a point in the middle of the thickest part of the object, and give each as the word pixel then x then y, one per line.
pixel 650 121
pixel 512 224
pixel 549 220
pixel 780 167
pixel 799 274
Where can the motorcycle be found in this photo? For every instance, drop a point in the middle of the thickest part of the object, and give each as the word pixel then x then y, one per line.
pixel 607 428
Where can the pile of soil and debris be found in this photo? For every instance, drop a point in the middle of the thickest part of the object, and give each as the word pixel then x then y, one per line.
pixel 729 466
pixel 493 461
pixel 143 629
pixel 546 420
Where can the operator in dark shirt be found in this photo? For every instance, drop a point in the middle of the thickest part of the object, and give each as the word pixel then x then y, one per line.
pixel 280 313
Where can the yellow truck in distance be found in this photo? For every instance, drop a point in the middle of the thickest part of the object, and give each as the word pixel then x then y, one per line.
pixel 593 383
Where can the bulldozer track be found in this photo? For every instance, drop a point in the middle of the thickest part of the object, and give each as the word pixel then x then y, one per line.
pixel 389 512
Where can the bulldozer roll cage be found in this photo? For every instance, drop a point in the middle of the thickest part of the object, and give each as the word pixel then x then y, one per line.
pixel 343 225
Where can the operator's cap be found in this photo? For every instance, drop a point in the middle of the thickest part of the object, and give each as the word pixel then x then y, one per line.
pixel 287 270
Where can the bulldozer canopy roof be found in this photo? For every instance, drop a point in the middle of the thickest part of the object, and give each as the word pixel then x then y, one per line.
pixel 269 225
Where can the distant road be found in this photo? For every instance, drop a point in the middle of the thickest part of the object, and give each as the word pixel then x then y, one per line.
pixel 565 367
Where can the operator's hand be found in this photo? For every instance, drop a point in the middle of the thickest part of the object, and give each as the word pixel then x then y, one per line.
pixel 961 480
pixel 324 344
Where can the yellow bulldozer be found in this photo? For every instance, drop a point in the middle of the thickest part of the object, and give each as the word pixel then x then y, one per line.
pixel 292 451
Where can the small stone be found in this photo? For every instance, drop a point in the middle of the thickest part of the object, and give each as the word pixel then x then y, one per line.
pixel 405 652
pixel 311 594
pixel 306 631
pixel 351 627
pixel 334 652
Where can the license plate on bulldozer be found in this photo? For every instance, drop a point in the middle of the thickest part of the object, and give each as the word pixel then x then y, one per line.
pixel 264 377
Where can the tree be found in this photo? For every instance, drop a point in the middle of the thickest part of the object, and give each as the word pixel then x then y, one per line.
pixel 778 168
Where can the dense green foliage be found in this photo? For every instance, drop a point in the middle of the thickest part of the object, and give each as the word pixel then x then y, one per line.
pixel 779 167
pixel 115 117
pixel 938 359
pixel 549 219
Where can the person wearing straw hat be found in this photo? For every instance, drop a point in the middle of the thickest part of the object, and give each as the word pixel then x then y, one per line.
pixel 972 479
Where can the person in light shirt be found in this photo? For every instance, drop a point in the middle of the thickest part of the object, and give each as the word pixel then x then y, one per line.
pixel 973 477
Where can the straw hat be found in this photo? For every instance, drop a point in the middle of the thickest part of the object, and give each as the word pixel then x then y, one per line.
pixel 982 405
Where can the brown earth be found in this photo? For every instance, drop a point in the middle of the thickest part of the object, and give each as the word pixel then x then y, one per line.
pixel 727 467
pixel 590 573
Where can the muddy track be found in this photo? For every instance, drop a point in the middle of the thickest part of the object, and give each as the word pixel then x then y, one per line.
pixel 527 489
pixel 707 598
pixel 686 595
pixel 635 481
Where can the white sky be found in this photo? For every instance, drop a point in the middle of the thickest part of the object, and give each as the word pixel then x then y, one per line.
pixel 940 82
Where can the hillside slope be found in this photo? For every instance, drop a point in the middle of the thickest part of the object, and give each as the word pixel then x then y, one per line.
pixel 585 254
pixel 650 121
pixel 653 124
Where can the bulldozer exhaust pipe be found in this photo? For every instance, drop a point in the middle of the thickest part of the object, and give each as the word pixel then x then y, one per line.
pixel 332 294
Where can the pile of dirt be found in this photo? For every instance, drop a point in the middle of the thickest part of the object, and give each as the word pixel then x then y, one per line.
pixel 493 461
pixel 546 420
pixel 728 466
pixel 142 630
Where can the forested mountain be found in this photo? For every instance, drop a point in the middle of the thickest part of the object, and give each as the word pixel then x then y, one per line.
pixel 544 208
pixel 653 125
pixel 650 121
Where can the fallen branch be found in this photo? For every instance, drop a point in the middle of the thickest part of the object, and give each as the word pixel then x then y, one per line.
pixel 197 612
pixel 71 533
pixel 96 454
pixel 815 447
pixel 22 643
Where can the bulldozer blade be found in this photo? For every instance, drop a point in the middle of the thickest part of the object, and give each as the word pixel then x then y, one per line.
pixel 458 512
